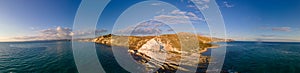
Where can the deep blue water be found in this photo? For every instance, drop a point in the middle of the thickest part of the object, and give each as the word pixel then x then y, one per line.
pixel 37 57
pixel 253 57
pixel 57 57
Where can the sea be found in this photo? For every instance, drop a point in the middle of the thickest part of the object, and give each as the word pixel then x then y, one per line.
pixel 57 57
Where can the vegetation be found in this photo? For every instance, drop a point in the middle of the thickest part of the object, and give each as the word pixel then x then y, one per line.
pixel 179 47
pixel 180 41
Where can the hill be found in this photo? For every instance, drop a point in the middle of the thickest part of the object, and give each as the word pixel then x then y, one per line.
pixel 173 40
pixel 165 51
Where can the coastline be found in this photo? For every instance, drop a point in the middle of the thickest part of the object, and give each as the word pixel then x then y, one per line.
pixel 202 51
pixel 164 51
pixel 211 47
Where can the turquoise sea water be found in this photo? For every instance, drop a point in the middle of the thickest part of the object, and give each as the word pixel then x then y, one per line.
pixel 57 57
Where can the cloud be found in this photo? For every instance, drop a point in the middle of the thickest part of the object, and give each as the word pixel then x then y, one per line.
pixel 203 4
pixel 200 2
pixel 281 29
pixel 171 19
pixel 277 40
pixel 228 5
pixel 178 17
pixel 191 6
pixel 146 31
pixel 50 34
pixel 284 29
pixel 56 34
pixel 63 33
pixel 99 31
pixel 150 27
pixel 170 30
pixel 156 4
pixel 268 35
pixel 193 16
pixel 86 33
pixel 178 12
pixel 204 7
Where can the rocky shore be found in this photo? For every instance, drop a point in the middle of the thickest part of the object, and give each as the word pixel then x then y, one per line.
pixel 164 53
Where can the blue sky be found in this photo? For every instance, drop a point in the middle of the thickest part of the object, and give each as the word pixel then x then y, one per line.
pixel 246 20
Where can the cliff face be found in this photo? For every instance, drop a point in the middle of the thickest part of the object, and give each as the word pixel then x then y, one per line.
pixel 173 40
pixel 163 55
pixel 164 51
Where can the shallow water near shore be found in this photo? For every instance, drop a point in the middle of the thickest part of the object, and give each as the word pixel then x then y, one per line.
pixel 57 56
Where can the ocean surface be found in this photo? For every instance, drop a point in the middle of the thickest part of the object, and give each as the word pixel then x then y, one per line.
pixel 57 57
pixel 259 57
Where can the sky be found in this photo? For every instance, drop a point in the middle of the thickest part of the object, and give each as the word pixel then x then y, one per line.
pixel 245 20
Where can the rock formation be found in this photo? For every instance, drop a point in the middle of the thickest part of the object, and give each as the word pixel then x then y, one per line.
pixel 164 52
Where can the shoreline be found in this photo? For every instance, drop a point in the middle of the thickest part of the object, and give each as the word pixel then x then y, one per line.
pixel 205 49
pixel 201 51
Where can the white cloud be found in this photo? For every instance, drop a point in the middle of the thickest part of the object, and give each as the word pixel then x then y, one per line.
pixel 203 4
pixel 278 39
pixel 200 2
pixel 178 17
pixel 51 33
pixel 204 7
pixel 206 1
pixel 282 29
pixel 170 19
pixel 156 4
pixel 285 29
pixel 63 32
pixel 56 34
pixel 191 6
pixel 228 5
pixel 193 16
pixel 90 32
pixel 178 12
pixel 150 27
